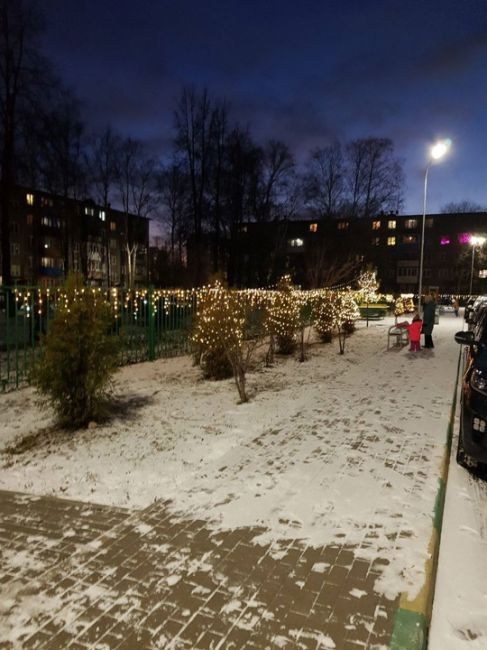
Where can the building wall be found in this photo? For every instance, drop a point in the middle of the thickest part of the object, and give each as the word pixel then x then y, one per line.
pixel 51 235
pixel 391 243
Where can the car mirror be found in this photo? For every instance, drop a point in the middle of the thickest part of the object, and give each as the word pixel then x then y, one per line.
pixel 464 338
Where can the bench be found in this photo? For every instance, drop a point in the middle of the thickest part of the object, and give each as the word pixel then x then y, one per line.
pixel 397 337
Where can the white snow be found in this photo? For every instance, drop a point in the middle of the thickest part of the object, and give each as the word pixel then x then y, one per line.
pixel 340 448
pixel 460 607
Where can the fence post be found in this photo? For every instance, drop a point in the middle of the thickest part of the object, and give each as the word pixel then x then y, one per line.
pixel 151 334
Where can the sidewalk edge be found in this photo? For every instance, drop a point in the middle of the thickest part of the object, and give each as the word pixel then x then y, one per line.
pixel 412 618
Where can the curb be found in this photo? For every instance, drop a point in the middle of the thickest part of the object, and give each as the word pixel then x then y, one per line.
pixel 412 618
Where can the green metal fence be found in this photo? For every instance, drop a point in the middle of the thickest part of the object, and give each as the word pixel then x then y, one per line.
pixel 151 323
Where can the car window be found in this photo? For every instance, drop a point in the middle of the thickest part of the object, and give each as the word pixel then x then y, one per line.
pixel 480 330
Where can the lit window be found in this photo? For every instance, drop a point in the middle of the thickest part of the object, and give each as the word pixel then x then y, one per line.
pixel 29 198
pixel 113 225
pixel 391 224
pixel 391 241
pixel 30 219
pixel 483 273
pixel 243 228
pixel 409 239
pixel 411 223
pixel 103 215
pixel 375 241
pixel 375 225
pixel 444 241
pixel 313 227
pixel 342 225
pixel 89 211
pixel 47 262
pixel 296 243
pixel 15 270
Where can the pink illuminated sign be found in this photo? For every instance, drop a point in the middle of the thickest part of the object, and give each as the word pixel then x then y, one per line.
pixel 444 241
pixel 464 238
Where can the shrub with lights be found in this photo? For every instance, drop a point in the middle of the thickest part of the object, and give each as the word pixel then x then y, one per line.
pixel 282 320
pixel 325 315
pixel 208 349
pixel 78 356
pixel 349 311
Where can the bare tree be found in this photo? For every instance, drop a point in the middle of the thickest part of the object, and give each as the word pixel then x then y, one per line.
pixel 324 180
pixel 218 132
pixel 374 177
pixel 274 181
pixel 193 137
pixel 136 183
pixel 462 207
pixel 102 165
pixel 63 161
pixel 173 189
pixel 324 268
pixel 21 71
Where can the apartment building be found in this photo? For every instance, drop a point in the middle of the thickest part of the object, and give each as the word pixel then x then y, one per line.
pixel 389 242
pixel 51 235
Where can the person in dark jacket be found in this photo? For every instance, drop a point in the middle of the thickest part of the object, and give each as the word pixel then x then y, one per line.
pixel 429 310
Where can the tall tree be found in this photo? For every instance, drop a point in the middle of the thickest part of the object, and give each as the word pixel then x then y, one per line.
pixel 274 181
pixel 21 69
pixel 242 160
pixel 173 189
pixel 63 149
pixel 192 123
pixel 324 180
pixel 136 182
pixel 102 170
pixel 218 132
pixel 102 164
pixel 375 177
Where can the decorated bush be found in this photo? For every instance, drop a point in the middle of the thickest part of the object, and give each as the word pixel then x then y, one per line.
pixel 208 349
pixel 283 317
pixel 325 315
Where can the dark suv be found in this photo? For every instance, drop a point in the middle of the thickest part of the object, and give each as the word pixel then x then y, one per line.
pixel 472 441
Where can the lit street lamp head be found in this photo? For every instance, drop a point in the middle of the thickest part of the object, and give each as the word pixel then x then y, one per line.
pixel 439 149
pixel 476 240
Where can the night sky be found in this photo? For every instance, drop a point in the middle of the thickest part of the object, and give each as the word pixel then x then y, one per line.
pixel 305 72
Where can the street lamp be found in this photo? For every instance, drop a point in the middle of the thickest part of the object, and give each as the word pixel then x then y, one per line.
pixel 437 152
pixel 474 241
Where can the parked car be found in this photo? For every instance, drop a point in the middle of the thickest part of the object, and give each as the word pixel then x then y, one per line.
pixel 472 439
pixel 473 309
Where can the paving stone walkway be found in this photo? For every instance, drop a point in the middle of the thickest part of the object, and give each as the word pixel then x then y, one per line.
pixel 78 575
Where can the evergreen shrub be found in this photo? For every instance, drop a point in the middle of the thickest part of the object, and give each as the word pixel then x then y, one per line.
pixel 78 356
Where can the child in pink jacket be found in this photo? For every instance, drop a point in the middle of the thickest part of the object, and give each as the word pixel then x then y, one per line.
pixel 414 332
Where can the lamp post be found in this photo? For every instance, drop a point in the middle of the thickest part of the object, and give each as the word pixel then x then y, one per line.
pixel 474 241
pixel 437 152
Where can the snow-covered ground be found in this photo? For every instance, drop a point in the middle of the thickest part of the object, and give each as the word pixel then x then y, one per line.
pixel 323 451
pixel 460 607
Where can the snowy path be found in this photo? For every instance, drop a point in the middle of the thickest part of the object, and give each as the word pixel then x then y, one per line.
pixel 459 613
pixel 338 448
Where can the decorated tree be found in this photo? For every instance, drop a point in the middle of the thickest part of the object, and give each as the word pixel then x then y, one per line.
pixel 227 326
pixel 325 315
pixel 208 349
pixel 282 320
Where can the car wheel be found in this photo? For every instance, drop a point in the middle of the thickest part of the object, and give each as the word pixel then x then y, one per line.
pixel 462 458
